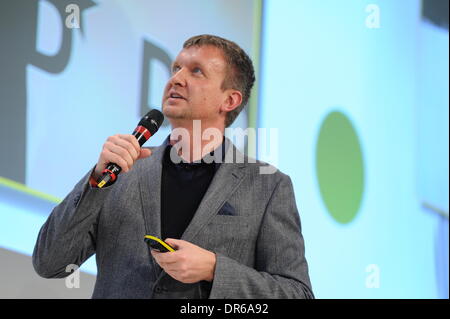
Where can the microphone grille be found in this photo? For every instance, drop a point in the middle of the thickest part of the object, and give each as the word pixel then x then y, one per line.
pixel 152 120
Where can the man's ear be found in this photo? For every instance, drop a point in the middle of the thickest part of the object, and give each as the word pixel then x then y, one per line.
pixel 232 101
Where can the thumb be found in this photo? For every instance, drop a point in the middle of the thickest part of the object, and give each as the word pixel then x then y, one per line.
pixel 175 243
pixel 145 152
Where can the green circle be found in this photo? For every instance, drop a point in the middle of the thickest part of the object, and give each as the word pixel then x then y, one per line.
pixel 339 167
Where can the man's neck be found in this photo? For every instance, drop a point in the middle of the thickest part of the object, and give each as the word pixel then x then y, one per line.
pixel 196 139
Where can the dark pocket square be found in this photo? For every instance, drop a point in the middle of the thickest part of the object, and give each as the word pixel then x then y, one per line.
pixel 227 209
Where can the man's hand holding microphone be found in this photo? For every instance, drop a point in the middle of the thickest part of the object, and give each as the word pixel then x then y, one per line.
pixel 121 151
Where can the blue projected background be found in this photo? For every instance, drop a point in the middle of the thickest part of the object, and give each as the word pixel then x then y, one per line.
pixel 351 95
pixel 357 92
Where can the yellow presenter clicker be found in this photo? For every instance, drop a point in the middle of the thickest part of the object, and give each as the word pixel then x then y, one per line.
pixel 158 244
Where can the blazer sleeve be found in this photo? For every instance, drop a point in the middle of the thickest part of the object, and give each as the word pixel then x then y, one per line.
pixel 281 269
pixel 69 234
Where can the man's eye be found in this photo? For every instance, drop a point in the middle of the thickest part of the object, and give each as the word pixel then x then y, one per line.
pixel 196 70
pixel 175 69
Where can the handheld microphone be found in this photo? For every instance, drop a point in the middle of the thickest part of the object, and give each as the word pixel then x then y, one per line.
pixel 147 127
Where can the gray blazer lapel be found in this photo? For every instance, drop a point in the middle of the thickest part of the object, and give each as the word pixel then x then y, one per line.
pixel 225 181
pixel 150 190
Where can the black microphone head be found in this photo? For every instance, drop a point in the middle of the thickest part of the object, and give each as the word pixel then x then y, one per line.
pixel 152 120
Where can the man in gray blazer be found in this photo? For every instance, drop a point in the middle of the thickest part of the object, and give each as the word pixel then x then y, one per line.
pixel 236 231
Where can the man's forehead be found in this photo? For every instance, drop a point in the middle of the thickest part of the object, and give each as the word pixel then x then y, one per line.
pixel 206 55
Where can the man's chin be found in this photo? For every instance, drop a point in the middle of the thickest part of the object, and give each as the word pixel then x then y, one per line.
pixel 172 112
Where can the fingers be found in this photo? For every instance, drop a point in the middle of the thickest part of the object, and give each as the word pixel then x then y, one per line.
pixel 124 146
pixel 166 261
pixel 145 152
pixel 175 243
pixel 190 263
pixel 117 152
pixel 165 258
pixel 172 267
pixel 122 149
pixel 111 157
pixel 131 140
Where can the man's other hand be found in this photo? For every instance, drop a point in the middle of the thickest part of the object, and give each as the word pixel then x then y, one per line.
pixel 189 263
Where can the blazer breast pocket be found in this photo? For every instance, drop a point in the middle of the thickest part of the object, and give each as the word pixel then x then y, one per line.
pixel 227 210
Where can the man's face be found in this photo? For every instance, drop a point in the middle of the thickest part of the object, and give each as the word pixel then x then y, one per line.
pixel 194 89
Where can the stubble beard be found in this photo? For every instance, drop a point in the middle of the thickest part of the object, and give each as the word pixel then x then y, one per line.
pixel 176 113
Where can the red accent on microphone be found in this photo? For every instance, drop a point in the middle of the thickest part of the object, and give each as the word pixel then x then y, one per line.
pixel 144 131
pixel 93 182
pixel 113 176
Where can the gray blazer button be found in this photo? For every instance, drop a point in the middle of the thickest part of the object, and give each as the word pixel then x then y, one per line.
pixel 158 289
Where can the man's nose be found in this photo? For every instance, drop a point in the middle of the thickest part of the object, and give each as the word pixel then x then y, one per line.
pixel 178 78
